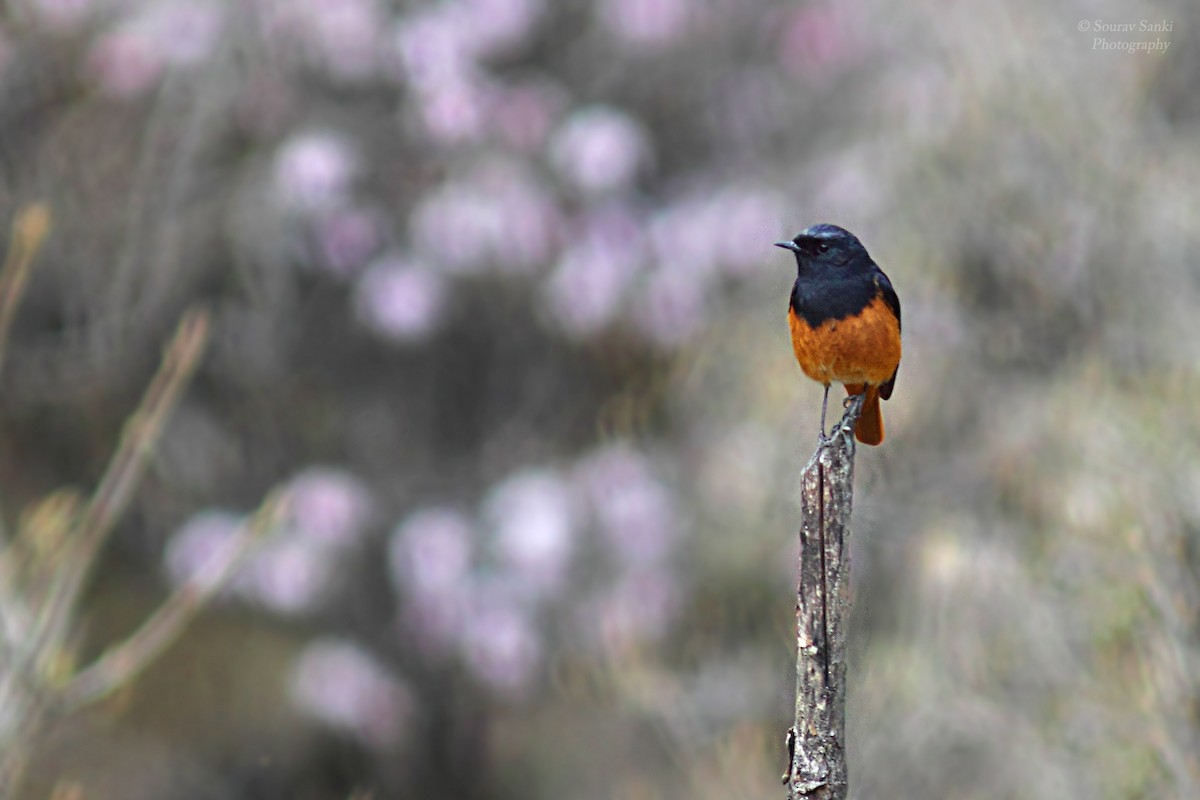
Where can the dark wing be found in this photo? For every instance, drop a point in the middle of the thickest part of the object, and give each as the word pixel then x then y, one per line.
pixel 889 296
pixel 885 390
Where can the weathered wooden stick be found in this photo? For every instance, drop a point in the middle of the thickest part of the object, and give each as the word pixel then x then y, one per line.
pixel 817 741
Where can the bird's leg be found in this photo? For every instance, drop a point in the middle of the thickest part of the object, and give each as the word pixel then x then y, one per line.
pixel 824 404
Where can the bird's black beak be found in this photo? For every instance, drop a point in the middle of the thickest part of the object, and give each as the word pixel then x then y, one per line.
pixel 795 248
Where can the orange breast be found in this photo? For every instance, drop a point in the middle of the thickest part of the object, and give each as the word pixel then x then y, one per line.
pixel 859 349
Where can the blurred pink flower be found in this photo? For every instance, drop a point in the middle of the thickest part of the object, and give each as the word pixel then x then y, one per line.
pixel 456 227
pixel 435 622
pixel 347 238
pixel 429 553
pixel 400 299
pixel 533 522
pixel 329 506
pixel 452 113
pixel 265 106
pixel 124 64
pixel 344 36
pixel 635 511
pixel 495 27
pixel 288 575
pixel 432 46
pixel 313 171
pixel 639 607
pixel 442 43
pixel 522 114
pixel 685 235
pixel 717 227
pixel 585 290
pixel 496 214
pixel 285 574
pixel 197 547
pixel 527 218
pixel 748 219
pixel 502 648
pixel 848 180
pixel 819 39
pixel 437 51
pixel 751 104
pixel 670 309
pixel 600 149
pixel 62 15
pixel 340 684
pixel 645 22
pixel 185 32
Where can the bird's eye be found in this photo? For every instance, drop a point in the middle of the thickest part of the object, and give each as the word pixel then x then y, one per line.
pixel 823 247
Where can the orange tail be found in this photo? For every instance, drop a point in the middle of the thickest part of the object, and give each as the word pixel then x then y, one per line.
pixel 869 429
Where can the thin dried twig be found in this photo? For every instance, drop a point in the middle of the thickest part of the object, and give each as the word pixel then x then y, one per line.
pixel 121 663
pixel 125 469
pixel 44 573
pixel 28 232
pixel 22 709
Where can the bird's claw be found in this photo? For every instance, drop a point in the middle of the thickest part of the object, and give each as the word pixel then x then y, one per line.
pixel 845 426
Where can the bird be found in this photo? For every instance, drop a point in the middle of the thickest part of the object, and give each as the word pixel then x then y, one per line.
pixel 844 318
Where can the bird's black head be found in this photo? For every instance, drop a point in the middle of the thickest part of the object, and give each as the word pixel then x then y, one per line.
pixel 828 249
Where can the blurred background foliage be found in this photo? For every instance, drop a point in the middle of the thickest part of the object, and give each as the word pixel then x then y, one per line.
pixel 494 296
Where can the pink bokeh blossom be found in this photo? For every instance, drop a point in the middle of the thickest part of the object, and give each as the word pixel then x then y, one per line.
pixel 747 218
pixel 532 518
pixel 645 23
pixel 429 553
pixel 289 576
pixel 453 112
pixel 344 36
pixel 635 511
pixel 588 284
pixel 329 506
pixel 670 310
pixel 432 47
pixel 340 684
pixel 125 64
pixel 819 39
pixel 62 15
pixel 346 238
pixel 714 229
pixel 522 114
pixel 400 299
pixel 314 170
pixel 200 545
pixel 495 215
pixel 502 648
pixel 185 32
pixel 640 606
pixel 496 27
pixel 600 149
